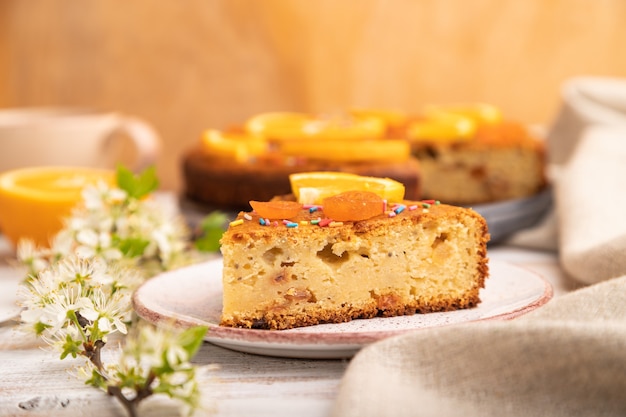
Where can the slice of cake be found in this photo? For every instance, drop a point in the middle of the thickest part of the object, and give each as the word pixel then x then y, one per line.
pixel 304 268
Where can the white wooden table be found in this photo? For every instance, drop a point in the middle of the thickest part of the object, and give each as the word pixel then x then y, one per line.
pixel 34 382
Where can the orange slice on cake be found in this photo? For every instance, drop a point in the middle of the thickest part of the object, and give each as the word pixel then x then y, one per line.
pixel 314 187
pixel 442 128
pixel 481 113
pixel 384 150
pixel 237 145
pixel 285 126
pixel 453 123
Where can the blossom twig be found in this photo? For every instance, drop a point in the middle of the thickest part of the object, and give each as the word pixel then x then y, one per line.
pixel 78 292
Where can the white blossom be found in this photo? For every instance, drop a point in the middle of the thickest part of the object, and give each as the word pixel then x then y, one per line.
pixel 78 291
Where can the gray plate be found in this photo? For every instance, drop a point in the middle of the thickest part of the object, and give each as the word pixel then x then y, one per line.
pixel 507 217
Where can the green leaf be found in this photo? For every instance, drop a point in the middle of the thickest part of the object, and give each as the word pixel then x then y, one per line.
pixel 71 347
pixel 191 339
pixel 132 246
pixel 96 380
pixel 209 241
pixel 137 186
pixel 212 228
pixel 215 220
pixel 40 328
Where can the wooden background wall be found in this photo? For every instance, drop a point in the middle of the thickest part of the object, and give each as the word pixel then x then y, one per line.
pixel 193 64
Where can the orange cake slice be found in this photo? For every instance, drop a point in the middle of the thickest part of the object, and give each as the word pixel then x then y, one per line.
pixel 288 264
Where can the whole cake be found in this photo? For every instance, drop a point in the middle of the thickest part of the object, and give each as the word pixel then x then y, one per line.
pixel 353 255
pixel 228 168
pixel 464 154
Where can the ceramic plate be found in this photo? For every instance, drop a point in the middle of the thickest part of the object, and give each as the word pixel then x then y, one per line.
pixel 193 296
pixel 10 279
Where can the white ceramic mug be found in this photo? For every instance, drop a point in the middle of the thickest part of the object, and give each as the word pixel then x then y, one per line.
pixel 74 137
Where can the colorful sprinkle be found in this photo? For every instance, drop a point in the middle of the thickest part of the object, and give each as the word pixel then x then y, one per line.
pixel 413 207
pixel 313 209
pixel 325 222
pixel 247 216
pixel 384 206
pixel 236 223
pixel 391 213
pixel 262 222
pixel 335 224
pixel 315 221
pixel 291 224
pixel 426 205
pixel 399 209
pixel 304 222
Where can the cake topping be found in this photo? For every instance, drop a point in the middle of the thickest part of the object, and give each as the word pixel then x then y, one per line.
pixel 288 126
pixel 313 187
pixel 289 137
pixel 346 197
pixel 276 209
pixel 353 206
pixel 349 150
pixel 452 123
pixel 237 145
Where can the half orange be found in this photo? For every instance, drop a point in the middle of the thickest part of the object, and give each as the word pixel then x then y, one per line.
pixel 34 201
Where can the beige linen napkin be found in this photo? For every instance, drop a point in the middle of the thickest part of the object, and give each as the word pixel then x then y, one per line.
pixel 578 152
pixel 567 358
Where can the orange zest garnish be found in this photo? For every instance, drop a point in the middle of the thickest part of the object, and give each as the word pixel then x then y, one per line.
pixel 276 209
pixel 353 206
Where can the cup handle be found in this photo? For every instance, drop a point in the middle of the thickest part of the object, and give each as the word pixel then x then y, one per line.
pixel 145 139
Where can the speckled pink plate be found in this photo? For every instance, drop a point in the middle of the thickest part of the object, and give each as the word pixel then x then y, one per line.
pixel 193 296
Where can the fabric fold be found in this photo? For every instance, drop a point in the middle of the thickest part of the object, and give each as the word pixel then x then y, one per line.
pixel 591 201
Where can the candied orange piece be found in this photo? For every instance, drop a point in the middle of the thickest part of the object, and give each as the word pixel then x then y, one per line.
pixel 353 206
pixel 276 209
